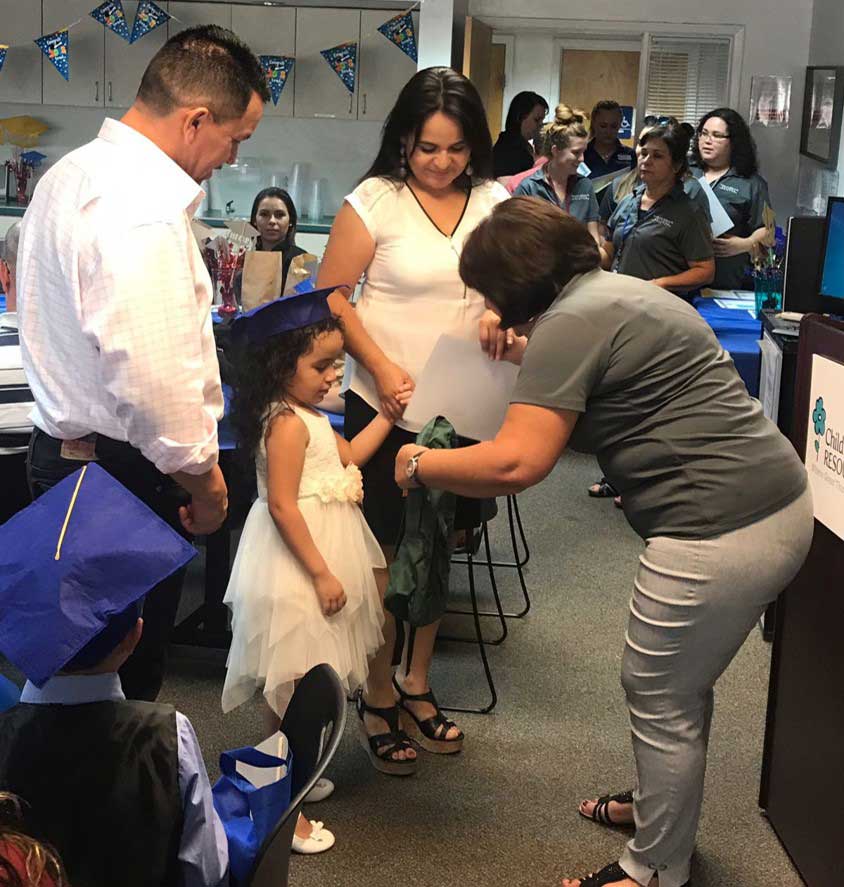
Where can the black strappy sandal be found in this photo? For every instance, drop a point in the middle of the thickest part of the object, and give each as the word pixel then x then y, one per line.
pixel 610 874
pixel 601 810
pixel 383 746
pixel 430 732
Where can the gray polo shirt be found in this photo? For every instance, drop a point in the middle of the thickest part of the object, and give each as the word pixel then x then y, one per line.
pixel 580 201
pixel 609 198
pixel 744 198
pixel 660 241
pixel 661 406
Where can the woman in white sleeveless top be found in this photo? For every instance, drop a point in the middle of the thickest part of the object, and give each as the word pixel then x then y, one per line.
pixel 403 229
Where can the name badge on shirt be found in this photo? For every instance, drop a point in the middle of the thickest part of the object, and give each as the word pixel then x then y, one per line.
pixel 83 449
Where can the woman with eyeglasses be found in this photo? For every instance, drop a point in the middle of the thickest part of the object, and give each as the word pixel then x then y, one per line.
pixel 724 154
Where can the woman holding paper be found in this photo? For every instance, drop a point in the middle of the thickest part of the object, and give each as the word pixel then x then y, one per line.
pixel 657 233
pixel 624 370
pixel 724 155
pixel 403 229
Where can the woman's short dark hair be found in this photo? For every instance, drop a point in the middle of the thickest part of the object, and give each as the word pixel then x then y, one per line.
pixel 429 91
pixel 207 65
pixel 287 200
pixel 675 139
pixel 523 253
pixel 521 105
pixel 742 146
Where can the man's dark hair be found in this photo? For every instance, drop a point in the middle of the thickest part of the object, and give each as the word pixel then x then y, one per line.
pixel 207 65
pixel 522 254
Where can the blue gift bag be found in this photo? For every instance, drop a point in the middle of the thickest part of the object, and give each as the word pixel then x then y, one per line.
pixel 249 814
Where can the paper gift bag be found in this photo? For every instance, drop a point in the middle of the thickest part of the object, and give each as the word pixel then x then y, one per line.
pixel 302 274
pixel 262 273
pixel 251 797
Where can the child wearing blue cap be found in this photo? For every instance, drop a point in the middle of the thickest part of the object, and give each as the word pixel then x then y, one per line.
pixel 302 589
pixel 117 787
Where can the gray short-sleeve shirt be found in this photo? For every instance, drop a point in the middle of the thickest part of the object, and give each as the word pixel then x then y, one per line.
pixel 661 241
pixel 661 406
pixel 580 203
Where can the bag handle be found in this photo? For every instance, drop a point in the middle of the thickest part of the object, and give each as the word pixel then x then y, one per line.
pixel 251 756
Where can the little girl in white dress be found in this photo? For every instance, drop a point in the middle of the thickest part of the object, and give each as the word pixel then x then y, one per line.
pixel 302 589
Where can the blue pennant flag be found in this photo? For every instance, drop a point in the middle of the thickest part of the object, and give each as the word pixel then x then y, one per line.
pixel 56 47
pixel 276 68
pixel 400 30
pixel 112 16
pixel 148 17
pixel 3 49
pixel 343 59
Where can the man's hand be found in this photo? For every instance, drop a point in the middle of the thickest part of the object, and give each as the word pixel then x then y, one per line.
pixel 209 501
pixel 494 341
pixel 330 594
pixel 394 386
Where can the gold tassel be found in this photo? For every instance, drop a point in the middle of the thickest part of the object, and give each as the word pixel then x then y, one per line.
pixel 69 512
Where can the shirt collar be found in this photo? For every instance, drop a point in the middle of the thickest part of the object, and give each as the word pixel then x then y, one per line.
pixel 75 689
pixel 171 180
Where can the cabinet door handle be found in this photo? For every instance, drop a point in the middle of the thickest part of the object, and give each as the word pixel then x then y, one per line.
pixel 364 103
pixel 109 92
pixel 97 90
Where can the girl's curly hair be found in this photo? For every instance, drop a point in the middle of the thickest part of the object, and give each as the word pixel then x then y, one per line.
pixel 263 374
pixel 39 859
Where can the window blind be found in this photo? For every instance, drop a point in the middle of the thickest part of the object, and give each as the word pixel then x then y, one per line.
pixel 687 78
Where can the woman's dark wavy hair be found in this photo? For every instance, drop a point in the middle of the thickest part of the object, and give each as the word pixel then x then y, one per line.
pixel 743 156
pixel 263 374
pixel 429 91
pixel 522 254
pixel 676 139
pixel 521 105
pixel 287 200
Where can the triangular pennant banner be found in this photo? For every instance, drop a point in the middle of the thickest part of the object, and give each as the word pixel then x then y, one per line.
pixel 3 49
pixel 400 30
pixel 276 68
pixel 148 17
pixel 112 16
pixel 343 59
pixel 56 47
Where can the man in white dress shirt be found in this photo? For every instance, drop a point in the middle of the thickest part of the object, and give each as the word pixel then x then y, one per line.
pixel 114 302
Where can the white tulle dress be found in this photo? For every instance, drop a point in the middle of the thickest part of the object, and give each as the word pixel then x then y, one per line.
pixel 278 629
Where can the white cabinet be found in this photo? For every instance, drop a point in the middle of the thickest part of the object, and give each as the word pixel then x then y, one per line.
pixel 319 92
pixel 125 63
pixel 384 68
pixel 86 55
pixel 187 15
pixel 20 79
pixel 270 31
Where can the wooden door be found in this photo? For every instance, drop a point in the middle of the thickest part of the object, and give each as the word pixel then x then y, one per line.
pixel 384 68
pixel 589 75
pixel 270 30
pixel 477 57
pixel 497 83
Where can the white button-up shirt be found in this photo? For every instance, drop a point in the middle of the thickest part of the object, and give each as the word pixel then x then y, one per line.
pixel 114 303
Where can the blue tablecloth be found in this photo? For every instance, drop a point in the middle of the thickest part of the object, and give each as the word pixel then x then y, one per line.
pixel 739 335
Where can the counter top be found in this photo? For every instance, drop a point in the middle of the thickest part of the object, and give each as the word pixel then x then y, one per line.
pixel 214 218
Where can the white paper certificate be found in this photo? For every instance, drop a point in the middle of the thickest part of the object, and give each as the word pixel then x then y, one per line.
pixel 721 222
pixel 461 383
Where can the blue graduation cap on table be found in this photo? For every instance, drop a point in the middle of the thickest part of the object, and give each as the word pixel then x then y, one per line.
pixel 74 567
pixel 281 316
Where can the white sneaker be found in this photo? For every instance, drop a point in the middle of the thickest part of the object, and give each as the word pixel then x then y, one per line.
pixel 319 840
pixel 322 789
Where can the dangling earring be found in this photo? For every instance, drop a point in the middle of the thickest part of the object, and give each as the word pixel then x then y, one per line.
pixel 469 171
pixel 402 163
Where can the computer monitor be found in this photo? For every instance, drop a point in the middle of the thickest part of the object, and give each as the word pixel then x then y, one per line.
pixel 831 288
pixel 803 250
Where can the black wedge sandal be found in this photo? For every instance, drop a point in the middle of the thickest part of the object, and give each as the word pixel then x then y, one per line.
pixel 429 733
pixel 383 746
pixel 610 874
pixel 601 810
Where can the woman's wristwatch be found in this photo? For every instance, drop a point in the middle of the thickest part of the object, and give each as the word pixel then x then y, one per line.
pixel 412 469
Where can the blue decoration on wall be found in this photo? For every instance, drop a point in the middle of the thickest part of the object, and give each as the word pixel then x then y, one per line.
pixel 56 47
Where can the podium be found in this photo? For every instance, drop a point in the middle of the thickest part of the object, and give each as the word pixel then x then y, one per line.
pixel 802 782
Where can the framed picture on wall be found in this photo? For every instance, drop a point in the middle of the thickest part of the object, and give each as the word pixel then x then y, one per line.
pixel 823 102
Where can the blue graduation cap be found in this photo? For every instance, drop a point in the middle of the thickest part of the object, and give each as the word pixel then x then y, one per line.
pixel 74 568
pixel 282 315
